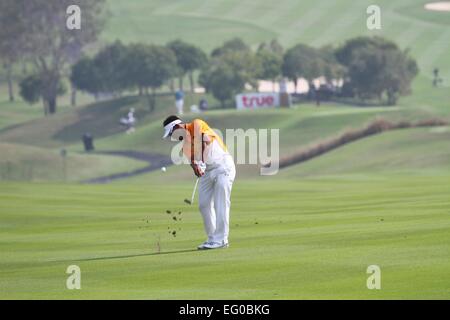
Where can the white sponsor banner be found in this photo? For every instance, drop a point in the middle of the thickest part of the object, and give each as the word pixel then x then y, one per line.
pixel 257 100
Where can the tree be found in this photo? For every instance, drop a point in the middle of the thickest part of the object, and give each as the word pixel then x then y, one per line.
pixel 105 72
pixel 377 71
pixel 50 45
pixel 232 66
pixel 344 54
pixel 332 69
pixel 273 47
pixel 189 59
pixel 276 47
pixel 134 64
pixel 226 75
pixel 11 40
pixel 86 77
pixel 32 88
pixel 270 65
pixel 400 70
pixel 245 65
pixel 118 67
pixel 110 64
pixel 237 55
pixel 270 57
pixel 377 67
pixel 150 66
pixel 232 45
pixel 225 83
pixel 302 61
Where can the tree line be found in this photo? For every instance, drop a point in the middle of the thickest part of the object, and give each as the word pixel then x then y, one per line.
pixel 372 68
pixel 143 67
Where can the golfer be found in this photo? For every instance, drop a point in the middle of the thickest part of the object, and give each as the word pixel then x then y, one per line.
pixel 213 164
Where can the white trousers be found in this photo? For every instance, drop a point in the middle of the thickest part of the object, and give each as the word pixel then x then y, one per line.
pixel 179 105
pixel 214 199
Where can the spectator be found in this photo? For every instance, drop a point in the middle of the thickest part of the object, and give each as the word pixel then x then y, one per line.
pixel 179 101
pixel 129 121
pixel 203 105
pixel 437 79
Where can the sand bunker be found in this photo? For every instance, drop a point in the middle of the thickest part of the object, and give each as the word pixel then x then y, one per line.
pixel 438 6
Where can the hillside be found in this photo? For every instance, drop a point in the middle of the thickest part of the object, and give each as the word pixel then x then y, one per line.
pixel 300 126
pixel 405 151
pixel 209 23
pixel 25 163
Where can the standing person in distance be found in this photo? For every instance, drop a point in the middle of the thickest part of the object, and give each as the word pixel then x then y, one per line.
pixel 179 101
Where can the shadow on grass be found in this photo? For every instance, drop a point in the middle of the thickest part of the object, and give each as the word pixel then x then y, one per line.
pixel 138 255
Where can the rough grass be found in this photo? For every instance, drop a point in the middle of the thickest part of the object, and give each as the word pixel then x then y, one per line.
pixel 25 163
pixel 15 113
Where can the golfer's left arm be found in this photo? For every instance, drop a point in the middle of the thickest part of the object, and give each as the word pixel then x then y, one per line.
pixel 197 159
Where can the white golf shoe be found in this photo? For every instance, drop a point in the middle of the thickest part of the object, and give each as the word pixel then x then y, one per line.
pixel 208 245
pixel 202 246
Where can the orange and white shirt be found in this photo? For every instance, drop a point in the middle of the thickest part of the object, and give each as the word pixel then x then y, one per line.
pixel 203 144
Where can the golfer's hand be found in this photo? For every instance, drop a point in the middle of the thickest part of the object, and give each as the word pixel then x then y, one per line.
pixel 197 170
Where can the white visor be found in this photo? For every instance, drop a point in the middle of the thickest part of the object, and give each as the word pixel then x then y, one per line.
pixel 169 127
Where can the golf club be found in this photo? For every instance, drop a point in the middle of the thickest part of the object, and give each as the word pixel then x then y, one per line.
pixel 193 194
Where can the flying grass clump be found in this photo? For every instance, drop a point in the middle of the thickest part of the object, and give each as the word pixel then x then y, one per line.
pixel 175 217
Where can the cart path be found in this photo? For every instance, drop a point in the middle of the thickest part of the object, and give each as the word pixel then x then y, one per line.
pixel 155 162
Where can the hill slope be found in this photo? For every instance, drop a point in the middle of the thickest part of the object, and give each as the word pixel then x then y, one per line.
pixel 209 23
pixel 405 151
pixel 25 163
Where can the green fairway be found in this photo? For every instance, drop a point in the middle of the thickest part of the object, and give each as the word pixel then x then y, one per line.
pixel 314 238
